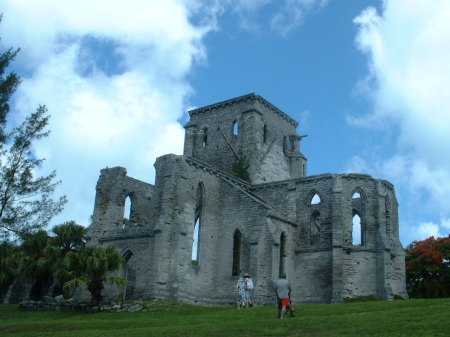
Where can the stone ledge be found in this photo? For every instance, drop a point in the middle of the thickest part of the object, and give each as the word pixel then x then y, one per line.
pixel 51 304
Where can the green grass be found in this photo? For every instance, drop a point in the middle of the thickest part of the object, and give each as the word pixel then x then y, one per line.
pixel 372 318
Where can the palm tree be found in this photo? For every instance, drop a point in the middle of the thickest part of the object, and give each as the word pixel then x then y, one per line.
pixel 91 267
pixel 68 237
pixel 9 264
pixel 36 262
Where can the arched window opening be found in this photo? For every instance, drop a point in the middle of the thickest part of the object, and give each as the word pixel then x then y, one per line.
pixel 195 241
pixel 236 253
pixel 126 212
pixel 282 269
pixel 235 128
pixel 205 137
pixel 315 223
pixel 356 195
pixel 315 199
pixel 265 133
pixel 304 170
pixel 357 230
pixel 127 274
pixel 197 224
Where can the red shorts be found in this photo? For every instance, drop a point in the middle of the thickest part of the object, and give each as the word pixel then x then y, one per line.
pixel 284 302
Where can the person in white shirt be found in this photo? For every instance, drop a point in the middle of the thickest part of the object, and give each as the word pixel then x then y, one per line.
pixel 249 289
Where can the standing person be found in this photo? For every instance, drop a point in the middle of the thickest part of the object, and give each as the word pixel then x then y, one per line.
pixel 283 291
pixel 249 289
pixel 241 296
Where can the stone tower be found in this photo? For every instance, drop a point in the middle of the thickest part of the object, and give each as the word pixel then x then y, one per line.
pixel 249 126
pixel 189 236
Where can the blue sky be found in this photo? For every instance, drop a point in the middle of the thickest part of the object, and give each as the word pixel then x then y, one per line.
pixel 368 81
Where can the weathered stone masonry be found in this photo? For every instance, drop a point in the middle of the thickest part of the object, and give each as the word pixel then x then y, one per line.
pixel 280 221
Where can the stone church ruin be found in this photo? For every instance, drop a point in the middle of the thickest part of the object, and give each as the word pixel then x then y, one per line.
pixel 191 235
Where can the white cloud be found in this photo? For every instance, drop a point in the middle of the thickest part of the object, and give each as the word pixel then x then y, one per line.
pixel 113 75
pixel 121 114
pixel 292 14
pixel 427 229
pixel 287 15
pixel 445 224
pixel 409 75
pixel 356 164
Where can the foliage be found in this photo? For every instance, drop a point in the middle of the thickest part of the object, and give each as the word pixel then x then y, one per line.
pixel 67 238
pixel 428 268
pixel 8 85
pixel 25 200
pixel 240 168
pixel 36 262
pixel 91 267
pixel 9 265
pixel 42 258
pixel 378 318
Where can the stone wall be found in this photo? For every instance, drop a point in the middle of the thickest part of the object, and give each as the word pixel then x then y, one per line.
pixel 282 221
pixel 246 126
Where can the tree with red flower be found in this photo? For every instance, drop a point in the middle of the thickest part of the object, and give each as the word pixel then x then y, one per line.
pixel 428 268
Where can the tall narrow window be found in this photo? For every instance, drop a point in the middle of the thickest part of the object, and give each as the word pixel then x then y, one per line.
pixel 197 225
pixel 315 223
pixel 205 137
pixel 126 212
pixel 235 128
pixel 357 230
pixel 195 240
pixel 236 253
pixel 282 254
pixel 265 133
pixel 127 274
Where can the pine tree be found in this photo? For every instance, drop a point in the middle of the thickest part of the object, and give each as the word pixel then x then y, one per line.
pixel 240 168
pixel 26 202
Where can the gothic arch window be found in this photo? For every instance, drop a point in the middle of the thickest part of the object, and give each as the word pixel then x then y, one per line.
pixel 282 267
pixel 358 206
pixel 357 229
pixel 127 211
pixel 236 253
pixel 205 137
pixel 197 223
pixel 315 200
pixel 128 274
pixel 195 240
pixel 235 128
pixel 315 223
pixel 358 195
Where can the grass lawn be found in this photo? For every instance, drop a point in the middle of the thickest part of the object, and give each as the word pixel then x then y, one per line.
pixel 373 318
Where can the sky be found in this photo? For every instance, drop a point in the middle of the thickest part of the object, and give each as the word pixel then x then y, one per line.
pixel 368 81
